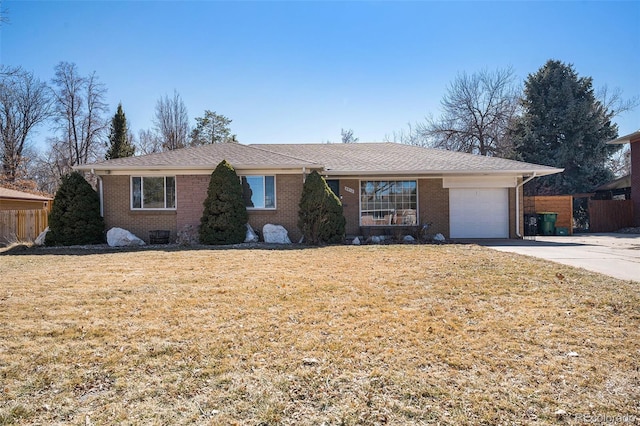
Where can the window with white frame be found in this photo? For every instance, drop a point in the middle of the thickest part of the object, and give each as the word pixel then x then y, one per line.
pixel 259 192
pixel 153 192
pixel 388 202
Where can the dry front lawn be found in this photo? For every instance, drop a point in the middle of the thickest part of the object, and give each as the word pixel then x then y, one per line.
pixel 406 334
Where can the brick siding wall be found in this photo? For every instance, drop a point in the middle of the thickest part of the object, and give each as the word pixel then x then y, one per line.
pixel 350 193
pixel 118 213
pixel 288 193
pixel 635 180
pixel 433 207
pixel 191 190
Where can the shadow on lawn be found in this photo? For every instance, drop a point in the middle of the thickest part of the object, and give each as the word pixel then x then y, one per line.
pixel 20 249
pixel 520 243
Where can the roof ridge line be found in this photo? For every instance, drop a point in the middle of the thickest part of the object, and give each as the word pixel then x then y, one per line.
pixel 284 155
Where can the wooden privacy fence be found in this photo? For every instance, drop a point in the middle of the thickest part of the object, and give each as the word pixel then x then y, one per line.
pixel 22 225
pixel 610 215
pixel 561 204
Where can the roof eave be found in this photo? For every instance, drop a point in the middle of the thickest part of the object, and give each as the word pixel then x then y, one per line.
pixel 631 137
pixel 436 173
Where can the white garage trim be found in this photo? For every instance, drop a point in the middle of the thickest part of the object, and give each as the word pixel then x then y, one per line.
pixel 479 212
pixel 480 182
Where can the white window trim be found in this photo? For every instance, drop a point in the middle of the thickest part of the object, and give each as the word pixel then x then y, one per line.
pixel 138 209
pixel 387 179
pixel 264 191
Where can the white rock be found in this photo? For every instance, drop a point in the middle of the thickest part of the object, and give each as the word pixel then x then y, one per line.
pixel 439 238
pixel 251 237
pixel 40 239
pixel 188 235
pixel 118 237
pixel 560 413
pixel 356 241
pixel 275 234
pixel 310 361
pixel 408 239
pixel 376 239
pixel 572 354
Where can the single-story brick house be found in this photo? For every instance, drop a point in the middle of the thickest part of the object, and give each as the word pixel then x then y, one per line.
pixel 634 140
pixel 381 185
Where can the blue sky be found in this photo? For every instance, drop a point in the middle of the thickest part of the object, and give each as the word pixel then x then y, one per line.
pixel 300 71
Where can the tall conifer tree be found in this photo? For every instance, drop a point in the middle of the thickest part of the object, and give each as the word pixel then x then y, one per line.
pixel 119 144
pixel 565 126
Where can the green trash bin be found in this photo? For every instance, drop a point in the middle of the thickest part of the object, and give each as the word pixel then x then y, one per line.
pixel 547 223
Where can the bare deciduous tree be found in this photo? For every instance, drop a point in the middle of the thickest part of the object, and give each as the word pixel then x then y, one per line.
pixel 614 103
pixel 477 112
pixel 172 122
pixel 148 142
pixel 410 136
pixel 25 102
pixel 347 136
pixel 79 112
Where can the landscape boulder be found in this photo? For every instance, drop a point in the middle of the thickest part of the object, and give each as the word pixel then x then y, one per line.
pixel 118 237
pixel 439 238
pixel 251 237
pixel 41 238
pixel 275 234
pixel 188 236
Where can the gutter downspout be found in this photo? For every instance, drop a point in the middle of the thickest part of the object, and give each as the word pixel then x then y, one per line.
pixel 518 203
pixel 100 194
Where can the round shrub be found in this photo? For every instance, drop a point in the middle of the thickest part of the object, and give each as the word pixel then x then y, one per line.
pixel 75 216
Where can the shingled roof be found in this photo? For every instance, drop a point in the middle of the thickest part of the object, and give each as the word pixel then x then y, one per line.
pixel 12 194
pixel 203 157
pixel 360 159
pixel 389 158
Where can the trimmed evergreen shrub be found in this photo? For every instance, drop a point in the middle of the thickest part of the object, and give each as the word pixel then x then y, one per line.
pixel 75 215
pixel 225 216
pixel 320 217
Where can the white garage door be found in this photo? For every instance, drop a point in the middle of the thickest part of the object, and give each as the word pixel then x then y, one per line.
pixel 479 212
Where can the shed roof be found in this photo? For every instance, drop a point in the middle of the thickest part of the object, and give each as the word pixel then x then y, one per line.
pixel 12 194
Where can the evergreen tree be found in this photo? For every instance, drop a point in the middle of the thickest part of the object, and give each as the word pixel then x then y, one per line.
pixel 212 128
pixel 75 215
pixel 225 216
pixel 119 143
pixel 564 126
pixel 320 217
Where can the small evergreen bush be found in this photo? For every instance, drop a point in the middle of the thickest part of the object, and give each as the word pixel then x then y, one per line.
pixel 75 215
pixel 225 216
pixel 320 217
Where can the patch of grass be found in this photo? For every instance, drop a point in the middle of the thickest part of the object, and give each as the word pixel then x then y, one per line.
pixel 452 334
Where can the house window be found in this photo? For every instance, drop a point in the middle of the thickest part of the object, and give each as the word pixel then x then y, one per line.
pixel 153 192
pixel 388 202
pixel 259 192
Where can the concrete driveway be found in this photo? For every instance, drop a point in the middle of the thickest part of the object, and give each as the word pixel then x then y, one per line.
pixel 616 255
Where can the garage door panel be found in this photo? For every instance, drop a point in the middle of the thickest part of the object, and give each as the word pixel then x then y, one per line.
pixel 479 212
